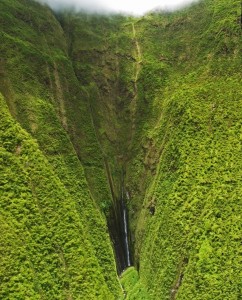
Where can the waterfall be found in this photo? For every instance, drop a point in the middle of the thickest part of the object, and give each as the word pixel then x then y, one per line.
pixel 118 224
pixel 125 229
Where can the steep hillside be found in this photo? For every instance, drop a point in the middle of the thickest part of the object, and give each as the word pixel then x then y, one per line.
pixel 38 81
pixel 98 112
pixel 189 222
pixel 46 246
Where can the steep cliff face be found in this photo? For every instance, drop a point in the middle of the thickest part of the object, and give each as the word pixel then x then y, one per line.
pixel 188 154
pixel 49 248
pixel 103 104
pixel 43 94
pixel 103 52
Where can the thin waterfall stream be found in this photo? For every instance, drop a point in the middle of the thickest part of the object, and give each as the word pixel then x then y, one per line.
pixel 125 228
pixel 118 224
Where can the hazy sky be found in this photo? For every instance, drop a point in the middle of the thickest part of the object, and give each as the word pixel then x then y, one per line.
pixel 137 7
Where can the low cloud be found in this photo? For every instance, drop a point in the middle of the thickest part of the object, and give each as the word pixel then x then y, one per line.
pixel 86 5
pixel 136 7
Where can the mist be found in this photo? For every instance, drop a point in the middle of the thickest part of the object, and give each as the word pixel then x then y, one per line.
pixel 134 7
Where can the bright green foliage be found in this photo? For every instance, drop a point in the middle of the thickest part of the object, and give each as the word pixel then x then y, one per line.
pixel 45 250
pixel 159 96
pixel 197 194
pixel 38 82
pixel 133 287
pixel 191 155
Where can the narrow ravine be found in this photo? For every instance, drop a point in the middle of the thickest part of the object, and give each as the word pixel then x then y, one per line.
pixel 116 144
pixel 119 217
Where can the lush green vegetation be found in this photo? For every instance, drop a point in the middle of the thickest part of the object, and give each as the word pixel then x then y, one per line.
pixel 38 82
pixel 47 250
pixel 133 286
pixel 91 96
pixel 190 154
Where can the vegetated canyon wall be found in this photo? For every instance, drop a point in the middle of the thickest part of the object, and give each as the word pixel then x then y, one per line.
pixel 61 234
pixel 101 103
pixel 189 223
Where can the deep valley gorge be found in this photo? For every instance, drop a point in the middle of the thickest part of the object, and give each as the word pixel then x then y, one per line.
pixel 120 153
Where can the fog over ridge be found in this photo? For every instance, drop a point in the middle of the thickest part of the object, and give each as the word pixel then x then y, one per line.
pixel 119 6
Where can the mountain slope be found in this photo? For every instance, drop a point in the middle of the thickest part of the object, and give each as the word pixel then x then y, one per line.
pixel 189 223
pixel 98 104
pixel 38 82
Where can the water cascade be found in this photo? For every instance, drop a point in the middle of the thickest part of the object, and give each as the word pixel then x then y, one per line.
pixel 118 224
pixel 125 229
